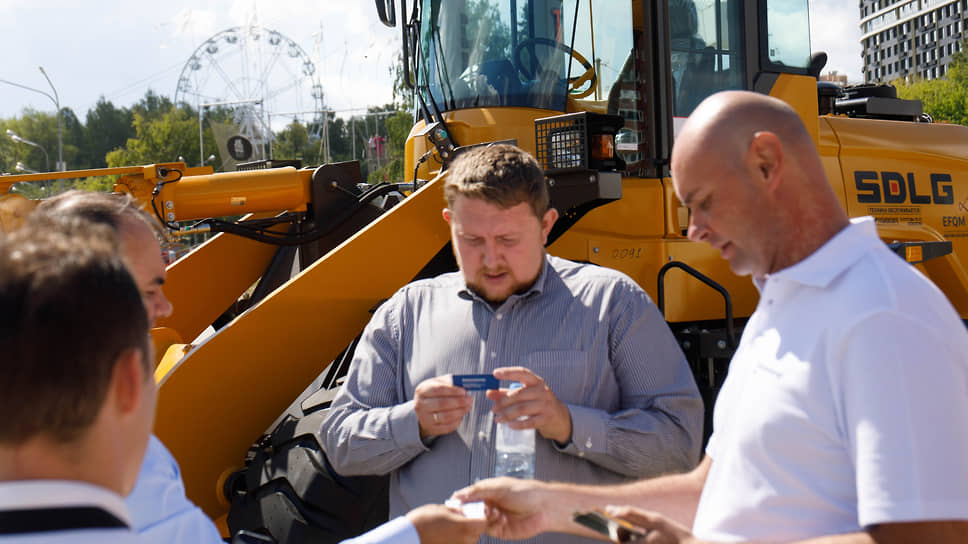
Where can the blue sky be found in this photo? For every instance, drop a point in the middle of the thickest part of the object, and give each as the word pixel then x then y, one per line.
pixel 121 49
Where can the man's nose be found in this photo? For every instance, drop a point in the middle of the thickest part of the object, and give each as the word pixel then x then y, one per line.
pixel 696 231
pixel 162 307
pixel 490 257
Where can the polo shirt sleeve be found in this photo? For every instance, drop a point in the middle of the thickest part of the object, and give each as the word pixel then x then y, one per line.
pixel 904 411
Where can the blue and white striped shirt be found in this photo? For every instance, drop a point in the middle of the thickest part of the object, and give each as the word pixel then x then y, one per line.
pixel 590 332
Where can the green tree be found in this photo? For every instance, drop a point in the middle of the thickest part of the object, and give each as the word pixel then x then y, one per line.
pixel 945 99
pixel 40 128
pixel 403 96
pixel 294 142
pixel 340 142
pixel 153 106
pixel 74 136
pixel 159 137
pixel 107 128
pixel 396 128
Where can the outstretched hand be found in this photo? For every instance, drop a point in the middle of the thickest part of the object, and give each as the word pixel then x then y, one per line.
pixel 518 508
pixel 438 524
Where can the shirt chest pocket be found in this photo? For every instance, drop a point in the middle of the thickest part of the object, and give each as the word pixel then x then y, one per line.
pixel 565 372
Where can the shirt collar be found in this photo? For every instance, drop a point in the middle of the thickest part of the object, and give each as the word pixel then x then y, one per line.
pixel 836 255
pixel 536 288
pixel 35 494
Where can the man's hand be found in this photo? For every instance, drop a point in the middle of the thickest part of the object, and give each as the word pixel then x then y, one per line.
pixel 516 508
pixel 661 530
pixel 437 524
pixel 440 406
pixel 548 415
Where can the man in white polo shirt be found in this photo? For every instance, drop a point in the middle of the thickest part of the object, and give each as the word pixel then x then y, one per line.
pixel 77 393
pixel 844 418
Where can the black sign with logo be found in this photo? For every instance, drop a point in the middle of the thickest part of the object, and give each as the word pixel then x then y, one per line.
pixel 240 148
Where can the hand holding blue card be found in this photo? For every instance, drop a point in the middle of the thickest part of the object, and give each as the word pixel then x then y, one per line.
pixel 476 382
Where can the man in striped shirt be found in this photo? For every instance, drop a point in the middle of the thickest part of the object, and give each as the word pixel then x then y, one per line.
pixel 606 387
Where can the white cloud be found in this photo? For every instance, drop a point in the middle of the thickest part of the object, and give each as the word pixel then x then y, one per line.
pixel 835 29
pixel 121 50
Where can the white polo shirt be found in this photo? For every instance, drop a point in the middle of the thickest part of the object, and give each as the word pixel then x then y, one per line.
pixel 53 503
pixel 846 403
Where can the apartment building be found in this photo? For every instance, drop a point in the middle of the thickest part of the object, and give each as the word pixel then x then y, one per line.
pixel 910 38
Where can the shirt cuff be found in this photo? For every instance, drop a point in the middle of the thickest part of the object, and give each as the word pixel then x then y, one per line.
pixel 398 531
pixel 404 427
pixel 588 428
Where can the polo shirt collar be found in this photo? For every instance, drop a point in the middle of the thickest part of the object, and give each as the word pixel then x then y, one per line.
pixel 40 494
pixel 822 266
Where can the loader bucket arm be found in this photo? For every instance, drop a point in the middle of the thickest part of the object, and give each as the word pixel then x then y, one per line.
pixel 250 372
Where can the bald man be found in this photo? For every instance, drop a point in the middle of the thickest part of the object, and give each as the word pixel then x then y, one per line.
pixel 844 418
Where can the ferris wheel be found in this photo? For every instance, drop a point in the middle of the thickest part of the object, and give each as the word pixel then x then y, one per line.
pixel 259 74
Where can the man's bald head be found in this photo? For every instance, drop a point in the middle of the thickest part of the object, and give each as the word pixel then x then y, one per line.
pixel 724 124
pixel 750 174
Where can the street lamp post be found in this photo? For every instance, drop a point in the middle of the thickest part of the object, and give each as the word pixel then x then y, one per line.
pixel 16 137
pixel 56 100
pixel 20 166
pixel 60 141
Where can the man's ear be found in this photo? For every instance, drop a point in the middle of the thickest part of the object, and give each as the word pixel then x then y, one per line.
pixel 766 153
pixel 129 380
pixel 547 222
pixel 447 215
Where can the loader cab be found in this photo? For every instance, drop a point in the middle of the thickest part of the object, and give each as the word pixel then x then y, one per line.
pixel 650 62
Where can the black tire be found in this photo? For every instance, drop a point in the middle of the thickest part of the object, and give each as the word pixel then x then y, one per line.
pixel 289 489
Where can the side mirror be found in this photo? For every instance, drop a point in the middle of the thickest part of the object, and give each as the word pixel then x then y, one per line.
pixel 386 9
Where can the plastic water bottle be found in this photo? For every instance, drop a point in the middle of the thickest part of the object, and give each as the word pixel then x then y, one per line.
pixel 514 449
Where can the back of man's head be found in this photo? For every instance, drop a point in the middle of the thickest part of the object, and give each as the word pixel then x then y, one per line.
pixel 98 208
pixel 500 174
pixel 70 310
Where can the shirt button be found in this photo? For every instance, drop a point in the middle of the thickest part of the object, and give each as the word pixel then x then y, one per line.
pixel 499 317
pixel 588 444
pixel 493 354
pixel 482 435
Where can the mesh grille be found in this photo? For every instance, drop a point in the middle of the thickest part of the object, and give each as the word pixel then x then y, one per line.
pixel 561 142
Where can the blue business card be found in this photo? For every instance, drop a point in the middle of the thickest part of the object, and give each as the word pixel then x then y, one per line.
pixel 476 382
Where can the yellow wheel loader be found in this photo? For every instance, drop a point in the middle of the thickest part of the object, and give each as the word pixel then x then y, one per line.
pixel 596 89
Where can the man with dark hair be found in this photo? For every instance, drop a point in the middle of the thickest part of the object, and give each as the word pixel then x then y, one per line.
pixel 77 394
pixel 159 508
pixel 844 417
pixel 606 387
